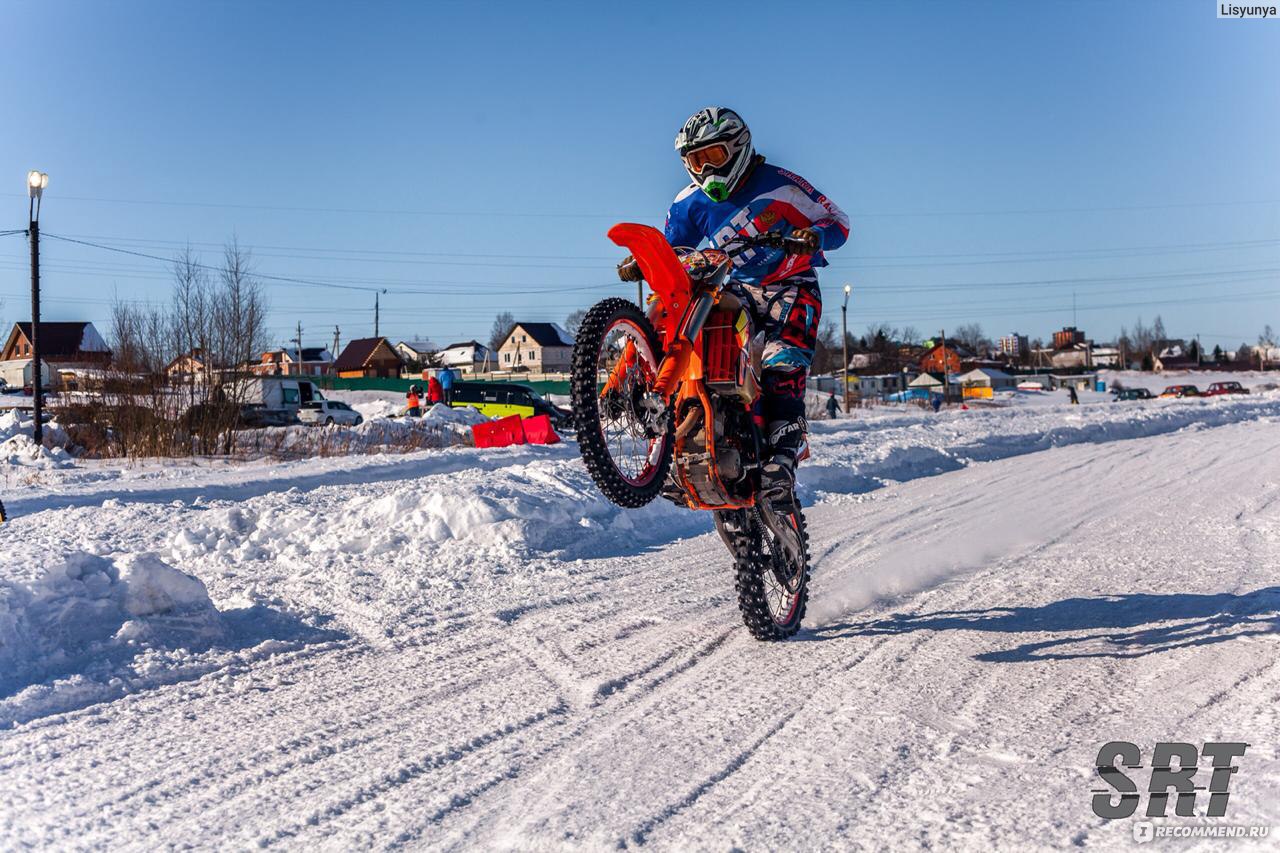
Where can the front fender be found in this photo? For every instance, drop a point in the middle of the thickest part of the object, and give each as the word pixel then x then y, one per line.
pixel 661 267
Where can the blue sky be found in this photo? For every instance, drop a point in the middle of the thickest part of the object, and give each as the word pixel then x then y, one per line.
pixel 995 158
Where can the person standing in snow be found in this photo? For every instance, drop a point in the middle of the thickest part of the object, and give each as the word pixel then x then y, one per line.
pixel 446 385
pixel 413 407
pixel 832 406
pixel 435 393
pixel 734 192
pixel 1075 398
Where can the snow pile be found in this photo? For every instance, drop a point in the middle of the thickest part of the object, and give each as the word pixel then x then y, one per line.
pixel 75 625
pixel 856 455
pixel 449 423
pixel 472 515
pixel 371 404
pixel 374 409
pixel 17 448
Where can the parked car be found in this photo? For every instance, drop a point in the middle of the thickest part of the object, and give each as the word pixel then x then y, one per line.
pixel 328 413
pixel 499 399
pixel 1218 388
pixel 237 416
pixel 1180 391
pixel 1133 394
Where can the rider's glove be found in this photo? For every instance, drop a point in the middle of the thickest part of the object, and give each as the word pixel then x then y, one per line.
pixel 806 236
pixel 629 270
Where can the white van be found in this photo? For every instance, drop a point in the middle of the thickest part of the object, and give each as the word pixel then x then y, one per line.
pixel 16 373
pixel 273 393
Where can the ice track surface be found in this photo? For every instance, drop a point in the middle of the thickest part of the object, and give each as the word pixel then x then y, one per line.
pixel 468 650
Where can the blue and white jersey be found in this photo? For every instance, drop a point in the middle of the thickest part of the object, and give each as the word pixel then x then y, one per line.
pixel 772 199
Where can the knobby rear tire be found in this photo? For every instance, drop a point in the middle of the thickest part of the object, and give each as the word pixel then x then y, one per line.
pixel 585 395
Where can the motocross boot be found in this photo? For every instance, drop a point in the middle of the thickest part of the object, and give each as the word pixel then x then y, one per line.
pixel 778 474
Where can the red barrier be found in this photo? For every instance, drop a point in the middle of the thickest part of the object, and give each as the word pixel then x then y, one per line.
pixel 500 433
pixel 538 430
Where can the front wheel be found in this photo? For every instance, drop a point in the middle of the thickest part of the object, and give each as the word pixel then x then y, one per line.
pixel 624 430
pixel 771 561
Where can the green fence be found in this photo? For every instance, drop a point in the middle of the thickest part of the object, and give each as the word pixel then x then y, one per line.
pixel 335 383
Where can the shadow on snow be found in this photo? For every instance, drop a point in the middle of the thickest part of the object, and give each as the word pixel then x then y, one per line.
pixel 1111 626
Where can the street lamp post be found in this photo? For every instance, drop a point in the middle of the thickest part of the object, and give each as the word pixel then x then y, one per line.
pixel 844 345
pixel 36 182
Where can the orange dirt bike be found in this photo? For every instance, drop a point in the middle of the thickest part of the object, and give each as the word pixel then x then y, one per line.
pixel 668 402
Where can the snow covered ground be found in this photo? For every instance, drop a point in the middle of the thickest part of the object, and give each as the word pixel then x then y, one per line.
pixel 468 648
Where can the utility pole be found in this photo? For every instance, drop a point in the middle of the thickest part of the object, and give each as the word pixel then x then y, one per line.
pixel 844 345
pixel 334 351
pixel 640 293
pixel 1199 351
pixel 946 385
pixel 298 341
pixel 36 182
pixel 376 310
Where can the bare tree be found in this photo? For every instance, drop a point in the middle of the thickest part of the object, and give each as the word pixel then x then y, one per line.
pixel 573 322
pixel 502 326
pixel 971 336
pixel 170 390
pixel 827 351
pixel 910 336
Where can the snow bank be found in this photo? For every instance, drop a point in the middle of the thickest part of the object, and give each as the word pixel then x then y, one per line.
pixel 474 515
pixel 451 424
pixel 17 448
pixel 75 625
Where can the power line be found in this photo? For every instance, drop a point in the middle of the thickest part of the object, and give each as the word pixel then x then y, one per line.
pixel 555 215
pixel 410 257
pixel 208 268
pixel 417 287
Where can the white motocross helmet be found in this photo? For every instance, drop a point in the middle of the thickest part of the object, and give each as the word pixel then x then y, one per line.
pixel 715 146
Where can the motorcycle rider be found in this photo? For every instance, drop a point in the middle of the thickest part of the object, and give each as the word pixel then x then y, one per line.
pixel 734 192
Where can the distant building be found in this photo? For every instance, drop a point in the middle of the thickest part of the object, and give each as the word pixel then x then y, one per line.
pixel 987 377
pixel 1079 381
pixel 194 363
pixel 1105 356
pixel 1166 362
pixel 62 345
pixel 466 357
pixel 313 361
pixel 1014 345
pixel 940 358
pixel 879 385
pixel 417 352
pixel 368 357
pixel 1073 356
pixel 1067 337
pixel 537 347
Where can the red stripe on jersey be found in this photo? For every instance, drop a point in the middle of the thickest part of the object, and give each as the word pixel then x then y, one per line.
pixel 776 210
pixel 791 265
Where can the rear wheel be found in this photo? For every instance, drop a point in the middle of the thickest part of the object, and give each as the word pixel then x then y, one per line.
pixel 771 555
pixel 623 429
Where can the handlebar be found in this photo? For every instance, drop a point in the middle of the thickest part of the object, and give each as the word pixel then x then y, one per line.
pixel 768 240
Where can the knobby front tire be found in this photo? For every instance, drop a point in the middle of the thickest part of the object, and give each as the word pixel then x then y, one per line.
pixel 770 611
pixel 628 465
